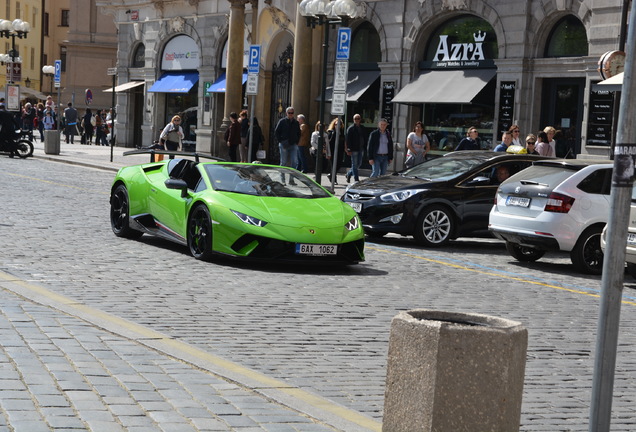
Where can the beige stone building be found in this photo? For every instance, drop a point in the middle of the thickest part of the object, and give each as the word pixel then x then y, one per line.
pixel 452 64
pixel 28 47
pixel 85 40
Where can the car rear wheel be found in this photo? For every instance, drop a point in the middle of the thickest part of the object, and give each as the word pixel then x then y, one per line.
pixel 523 253
pixel 587 255
pixel 120 213
pixel 434 226
pixel 200 233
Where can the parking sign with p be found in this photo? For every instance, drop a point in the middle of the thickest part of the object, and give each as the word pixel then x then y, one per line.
pixel 343 43
pixel 254 59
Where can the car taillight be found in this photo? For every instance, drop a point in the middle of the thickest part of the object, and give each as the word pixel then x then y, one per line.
pixel 559 203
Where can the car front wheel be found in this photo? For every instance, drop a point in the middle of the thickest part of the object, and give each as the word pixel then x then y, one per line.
pixel 522 253
pixel 200 233
pixel 587 255
pixel 434 226
pixel 120 213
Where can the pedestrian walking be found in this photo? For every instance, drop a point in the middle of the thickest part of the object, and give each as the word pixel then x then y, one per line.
pixel 70 122
pixel 245 128
pixel 417 145
pixel 303 144
pixel 380 149
pixel 355 140
pixel 287 133
pixel 470 141
pixel 172 135
pixel 88 126
pixel 233 136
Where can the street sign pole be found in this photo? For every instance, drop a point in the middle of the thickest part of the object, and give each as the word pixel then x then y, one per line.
pixel 614 259
pixel 252 90
pixel 339 94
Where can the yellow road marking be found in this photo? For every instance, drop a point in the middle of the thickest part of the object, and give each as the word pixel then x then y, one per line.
pixel 144 333
pixel 489 273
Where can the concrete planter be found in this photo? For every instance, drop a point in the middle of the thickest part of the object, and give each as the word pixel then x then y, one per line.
pixel 52 142
pixel 452 372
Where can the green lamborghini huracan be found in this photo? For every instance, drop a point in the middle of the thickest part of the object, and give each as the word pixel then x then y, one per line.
pixel 244 210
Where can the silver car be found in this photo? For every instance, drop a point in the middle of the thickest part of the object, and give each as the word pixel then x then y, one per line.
pixel 556 204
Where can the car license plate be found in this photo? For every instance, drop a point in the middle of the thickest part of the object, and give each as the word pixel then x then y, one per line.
pixel 631 239
pixel 316 249
pixel 356 206
pixel 517 201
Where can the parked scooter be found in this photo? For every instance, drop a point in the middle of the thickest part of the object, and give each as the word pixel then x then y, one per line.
pixel 21 146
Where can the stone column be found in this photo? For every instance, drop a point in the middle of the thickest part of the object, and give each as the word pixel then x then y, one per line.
pixel 301 73
pixel 234 71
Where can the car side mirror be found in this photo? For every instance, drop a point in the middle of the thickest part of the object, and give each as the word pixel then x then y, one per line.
pixel 478 181
pixel 178 184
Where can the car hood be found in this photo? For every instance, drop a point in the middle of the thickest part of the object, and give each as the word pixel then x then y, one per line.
pixel 388 183
pixel 296 212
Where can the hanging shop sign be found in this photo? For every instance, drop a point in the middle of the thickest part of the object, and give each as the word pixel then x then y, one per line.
pixel 180 53
pixel 506 105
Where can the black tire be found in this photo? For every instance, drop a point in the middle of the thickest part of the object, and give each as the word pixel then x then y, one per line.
pixel 587 255
pixel 631 269
pixel 119 214
pixel 200 233
pixel 522 253
pixel 24 148
pixel 435 226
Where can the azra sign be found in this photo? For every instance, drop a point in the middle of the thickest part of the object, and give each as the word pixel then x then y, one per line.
pixel 458 54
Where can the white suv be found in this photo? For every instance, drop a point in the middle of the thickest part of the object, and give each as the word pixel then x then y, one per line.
pixel 630 249
pixel 556 204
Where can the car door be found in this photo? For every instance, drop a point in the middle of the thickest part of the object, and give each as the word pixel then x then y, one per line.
pixel 479 194
pixel 167 206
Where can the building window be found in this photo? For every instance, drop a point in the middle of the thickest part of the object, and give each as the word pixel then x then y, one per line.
pixel 34 18
pixel 65 18
pixel 567 39
pixel 63 58
pixel 18 10
pixel 139 58
pixel 32 58
pixel 45 30
pixel 365 45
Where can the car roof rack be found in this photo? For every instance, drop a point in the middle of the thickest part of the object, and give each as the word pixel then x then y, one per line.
pixel 153 152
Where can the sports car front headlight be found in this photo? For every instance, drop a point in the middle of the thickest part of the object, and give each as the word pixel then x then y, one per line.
pixel 353 224
pixel 400 195
pixel 250 220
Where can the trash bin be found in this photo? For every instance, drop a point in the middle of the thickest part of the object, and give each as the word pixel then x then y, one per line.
pixel 449 372
pixel 52 142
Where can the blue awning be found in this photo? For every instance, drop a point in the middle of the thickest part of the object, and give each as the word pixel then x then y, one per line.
pixel 175 82
pixel 219 85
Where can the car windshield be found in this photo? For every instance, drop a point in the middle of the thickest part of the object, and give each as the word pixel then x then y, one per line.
pixel 263 180
pixel 443 168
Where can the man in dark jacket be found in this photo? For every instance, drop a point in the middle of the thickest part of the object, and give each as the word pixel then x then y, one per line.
pixel 287 133
pixel 380 149
pixel 233 136
pixel 8 135
pixel 354 145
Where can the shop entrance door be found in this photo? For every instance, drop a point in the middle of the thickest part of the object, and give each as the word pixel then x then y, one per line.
pixel 562 108
pixel 280 97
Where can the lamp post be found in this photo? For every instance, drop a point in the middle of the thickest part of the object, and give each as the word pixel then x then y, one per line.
pixel 11 30
pixel 325 13
pixel 49 71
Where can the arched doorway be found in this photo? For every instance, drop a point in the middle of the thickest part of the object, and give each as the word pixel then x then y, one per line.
pixel 280 97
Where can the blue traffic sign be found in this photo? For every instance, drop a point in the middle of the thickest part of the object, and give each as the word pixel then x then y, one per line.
pixel 343 43
pixel 254 59
pixel 57 77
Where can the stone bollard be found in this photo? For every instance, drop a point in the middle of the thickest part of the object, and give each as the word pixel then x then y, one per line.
pixel 453 372
pixel 52 142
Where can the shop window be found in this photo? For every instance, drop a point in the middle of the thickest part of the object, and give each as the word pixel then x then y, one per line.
pixel 365 45
pixel 567 39
pixel 139 57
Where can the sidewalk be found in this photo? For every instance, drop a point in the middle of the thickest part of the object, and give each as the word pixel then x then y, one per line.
pixel 67 366
pixel 100 157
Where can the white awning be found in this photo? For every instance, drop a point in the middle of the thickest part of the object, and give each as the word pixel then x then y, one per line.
pixel 445 86
pixel 614 83
pixel 125 86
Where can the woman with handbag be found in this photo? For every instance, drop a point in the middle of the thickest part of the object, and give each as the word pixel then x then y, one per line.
pixel 172 135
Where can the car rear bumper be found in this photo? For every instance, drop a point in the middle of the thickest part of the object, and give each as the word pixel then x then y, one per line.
pixel 528 240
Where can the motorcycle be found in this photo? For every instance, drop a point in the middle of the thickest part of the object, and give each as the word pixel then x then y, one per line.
pixel 23 147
